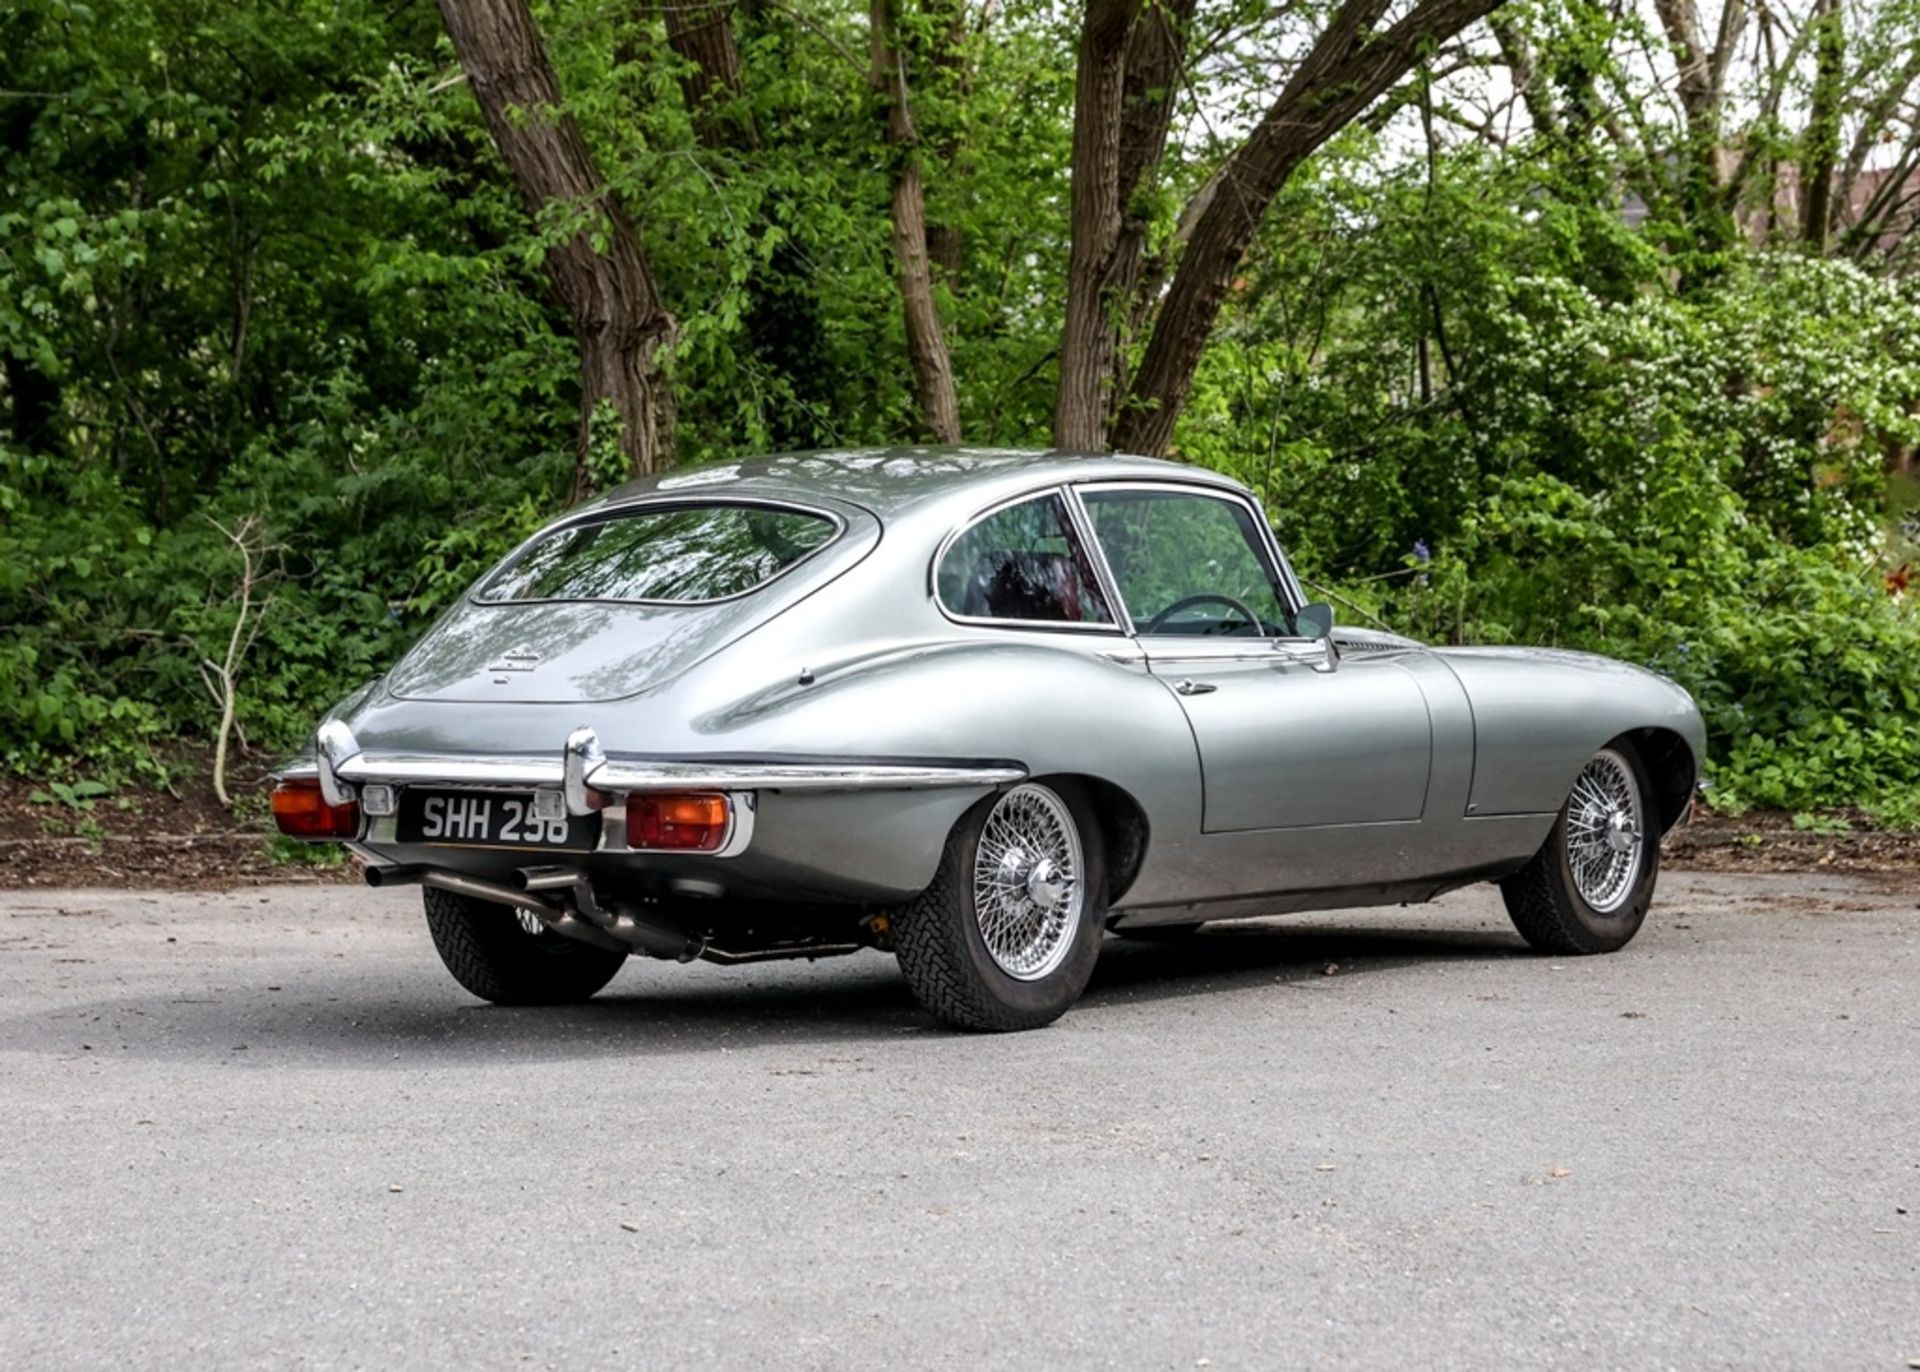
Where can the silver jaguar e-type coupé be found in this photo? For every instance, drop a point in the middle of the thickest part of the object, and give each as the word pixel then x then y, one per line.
pixel 975 708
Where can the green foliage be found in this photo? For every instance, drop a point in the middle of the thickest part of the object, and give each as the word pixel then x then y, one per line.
pixel 1696 483
pixel 262 268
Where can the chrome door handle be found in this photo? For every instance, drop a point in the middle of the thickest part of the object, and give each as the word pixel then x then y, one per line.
pixel 1194 688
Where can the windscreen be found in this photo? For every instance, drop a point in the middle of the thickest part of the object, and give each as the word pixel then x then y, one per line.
pixel 678 554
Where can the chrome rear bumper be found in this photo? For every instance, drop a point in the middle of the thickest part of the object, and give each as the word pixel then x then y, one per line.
pixel 582 768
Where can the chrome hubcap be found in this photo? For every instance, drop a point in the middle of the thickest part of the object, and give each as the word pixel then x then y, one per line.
pixel 529 921
pixel 1605 832
pixel 1026 882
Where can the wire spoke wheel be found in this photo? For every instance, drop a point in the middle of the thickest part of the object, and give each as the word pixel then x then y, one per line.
pixel 1028 883
pixel 1606 830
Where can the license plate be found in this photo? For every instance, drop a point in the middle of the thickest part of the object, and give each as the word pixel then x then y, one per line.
pixel 492 819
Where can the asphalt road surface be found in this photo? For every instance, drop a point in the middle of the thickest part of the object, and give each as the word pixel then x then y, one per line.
pixel 265 1128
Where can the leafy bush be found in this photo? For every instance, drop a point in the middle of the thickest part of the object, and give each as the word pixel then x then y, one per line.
pixel 1697 483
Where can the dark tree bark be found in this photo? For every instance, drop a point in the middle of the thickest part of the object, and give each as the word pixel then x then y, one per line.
pixel 1348 67
pixel 1099 103
pixel 1156 60
pixel 1823 126
pixel 701 33
pixel 948 59
pixel 618 318
pixel 927 350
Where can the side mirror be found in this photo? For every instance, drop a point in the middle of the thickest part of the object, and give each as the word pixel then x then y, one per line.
pixel 1314 621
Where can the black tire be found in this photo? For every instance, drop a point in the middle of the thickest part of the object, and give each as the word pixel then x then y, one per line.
pixel 489 953
pixel 944 955
pixel 1545 902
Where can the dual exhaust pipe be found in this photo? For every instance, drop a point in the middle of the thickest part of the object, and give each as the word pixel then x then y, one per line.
pixel 624 929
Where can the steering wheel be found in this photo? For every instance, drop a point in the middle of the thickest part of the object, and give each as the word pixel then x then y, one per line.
pixel 1204 598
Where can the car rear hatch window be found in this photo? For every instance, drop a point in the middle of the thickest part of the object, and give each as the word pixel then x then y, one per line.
pixel 673 555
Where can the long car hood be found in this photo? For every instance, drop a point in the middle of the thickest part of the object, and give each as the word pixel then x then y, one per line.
pixel 561 651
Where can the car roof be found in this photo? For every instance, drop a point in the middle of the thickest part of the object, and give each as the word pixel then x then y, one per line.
pixel 895 481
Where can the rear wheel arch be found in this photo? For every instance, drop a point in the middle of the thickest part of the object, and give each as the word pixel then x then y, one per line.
pixel 1124 829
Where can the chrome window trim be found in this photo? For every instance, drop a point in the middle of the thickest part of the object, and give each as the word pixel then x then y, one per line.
pixel 631 509
pixel 1057 489
pixel 1266 546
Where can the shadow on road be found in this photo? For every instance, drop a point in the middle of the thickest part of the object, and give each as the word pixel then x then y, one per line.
pixel 375 1018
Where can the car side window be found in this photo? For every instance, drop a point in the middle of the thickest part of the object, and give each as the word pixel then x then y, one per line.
pixel 1022 563
pixel 1187 564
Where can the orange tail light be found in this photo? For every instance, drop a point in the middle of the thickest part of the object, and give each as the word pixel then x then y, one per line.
pixel 302 812
pixel 696 823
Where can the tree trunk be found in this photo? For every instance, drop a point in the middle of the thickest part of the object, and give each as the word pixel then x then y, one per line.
pixel 701 33
pixel 950 62
pixel 1823 126
pixel 1348 67
pixel 618 318
pixel 1086 337
pixel 927 351
pixel 1156 59
pixel 1701 83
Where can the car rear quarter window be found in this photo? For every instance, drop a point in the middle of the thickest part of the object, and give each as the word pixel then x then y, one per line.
pixel 682 554
pixel 1022 563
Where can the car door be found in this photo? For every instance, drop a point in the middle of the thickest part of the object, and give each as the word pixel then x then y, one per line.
pixel 1285 740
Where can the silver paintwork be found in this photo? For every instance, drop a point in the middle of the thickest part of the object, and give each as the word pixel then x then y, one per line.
pixel 864 721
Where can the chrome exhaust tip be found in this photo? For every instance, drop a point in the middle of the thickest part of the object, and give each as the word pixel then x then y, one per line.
pixel 548 878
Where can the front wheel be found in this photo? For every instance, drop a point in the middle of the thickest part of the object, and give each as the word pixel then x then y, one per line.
pixel 511 959
pixel 1007 935
pixel 1588 888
